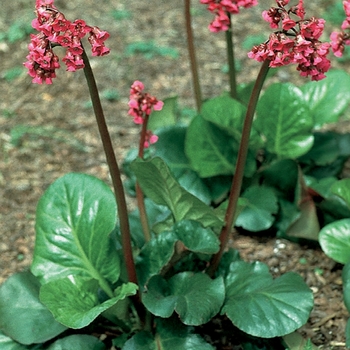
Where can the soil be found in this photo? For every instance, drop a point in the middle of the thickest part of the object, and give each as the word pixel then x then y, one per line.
pixel 47 131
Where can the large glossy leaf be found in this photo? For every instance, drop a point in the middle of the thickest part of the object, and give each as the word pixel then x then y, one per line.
pixel 158 184
pixel 155 255
pixel 228 114
pixel 285 121
pixel 342 189
pixel 212 151
pixel 7 343
pixel 324 151
pixel 334 239
pixel 22 316
pixel 77 342
pixel 170 335
pixel 159 251
pixel 165 117
pixel 262 306
pixel 196 238
pixel 195 297
pixel 74 219
pixel 171 148
pixel 74 302
pixel 329 98
pixel 261 206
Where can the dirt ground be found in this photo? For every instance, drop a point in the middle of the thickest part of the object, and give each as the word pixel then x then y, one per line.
pixel 47 131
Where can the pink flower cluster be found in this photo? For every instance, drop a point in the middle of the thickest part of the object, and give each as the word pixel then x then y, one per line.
pixel 296 41
pixel 340 39
pixel 221 8
pixel 55 30
pixel 141 104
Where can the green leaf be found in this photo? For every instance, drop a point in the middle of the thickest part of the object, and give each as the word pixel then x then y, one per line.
pixel 346 285
pixel 165 117
pixel 225 112
pixel 6 343
pixel 213 151
pixel 262 306
pixel 196 238
pixel 261 205
pixel 285 121
pixel 155 214
pixel 77 342
pixel 171 148
pixel 295 341
pixel 307 225
pixel 141 341
pixel 74 302
pixel 324 151
pixel 22 316
pixel 285 184
pixel 228 114
pixel 155 255
pixel 173 335
pixel 159 251
pixel 74 219
pixel 334 239
pixel 342 189
pixel 195 297
pixel 170 335
pixel 329 98
pixel 158 184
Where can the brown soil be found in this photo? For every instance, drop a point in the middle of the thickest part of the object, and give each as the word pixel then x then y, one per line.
pixel 61 136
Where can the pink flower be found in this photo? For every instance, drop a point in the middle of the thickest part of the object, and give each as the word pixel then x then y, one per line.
pixel 54 29
pixel 221 9
pixel 340 39
pixel 140 108
pixel 299 46
pixel 150 139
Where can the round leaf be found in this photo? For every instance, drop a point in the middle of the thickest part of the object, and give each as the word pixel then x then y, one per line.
pixel 155 255
pixel 195 297
pixel 329 98
pixel 212 150
pixel 196 238
pixel 285 121
pixel 228 114
pixel 170 335
pixel 263 307
pixel 342 189
pixel 334 239
pixel 261 205
pixel 22 316
pixel 74 302
pixel 77 342
pixel 6 343
pixel 75 217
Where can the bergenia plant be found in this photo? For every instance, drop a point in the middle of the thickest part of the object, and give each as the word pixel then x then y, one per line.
pixel 163 275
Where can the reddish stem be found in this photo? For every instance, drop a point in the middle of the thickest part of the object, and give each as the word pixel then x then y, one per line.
pixel 139 193
pixel 239 171
pixel 192 55
pixel 114 171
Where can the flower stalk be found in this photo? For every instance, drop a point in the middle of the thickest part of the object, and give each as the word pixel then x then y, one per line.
pixel 231 59
pixel 239 171
pixel 139 194
pixel 114 170
pixel 192 56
